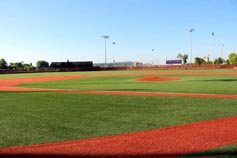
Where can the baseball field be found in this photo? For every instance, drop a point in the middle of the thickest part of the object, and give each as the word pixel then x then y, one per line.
pixel 119 114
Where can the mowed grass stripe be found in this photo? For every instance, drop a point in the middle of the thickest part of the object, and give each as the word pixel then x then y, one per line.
pixel 39 117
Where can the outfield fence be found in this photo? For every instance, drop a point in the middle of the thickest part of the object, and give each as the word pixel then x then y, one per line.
pixel 98 68
pixel 183 67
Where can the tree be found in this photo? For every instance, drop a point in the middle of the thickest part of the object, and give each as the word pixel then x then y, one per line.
pixel 3 64
pixel 184 57
pixel 233 58
pixel 12 65
pixel 42 64
pixel 18 65
pixel 28 67
pixel 197 61
pixel 219 61
pixel 200 61
pixel 228 61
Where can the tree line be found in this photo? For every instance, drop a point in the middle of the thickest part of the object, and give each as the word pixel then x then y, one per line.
pixel 232 59
pixel 41 64
pixel 22 65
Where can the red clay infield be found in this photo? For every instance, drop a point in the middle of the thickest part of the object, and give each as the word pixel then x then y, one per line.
pixel 165 142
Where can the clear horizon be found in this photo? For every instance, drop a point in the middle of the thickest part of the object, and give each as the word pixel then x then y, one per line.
pixel 61 30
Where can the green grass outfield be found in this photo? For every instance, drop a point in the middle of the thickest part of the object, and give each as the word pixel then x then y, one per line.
pixel 42 117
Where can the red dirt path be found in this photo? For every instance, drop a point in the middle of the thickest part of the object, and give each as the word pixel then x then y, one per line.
pixel 171 141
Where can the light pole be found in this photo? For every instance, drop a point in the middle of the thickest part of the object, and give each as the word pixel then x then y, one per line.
pixel 191 45
pixel 223 51
pixel 113 56
pixel 213 35
pixel 105 37
pixel 152 51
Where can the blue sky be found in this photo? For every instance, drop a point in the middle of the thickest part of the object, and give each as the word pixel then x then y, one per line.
pixel 57 30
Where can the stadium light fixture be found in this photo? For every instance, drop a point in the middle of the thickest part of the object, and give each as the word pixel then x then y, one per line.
pixel 191 45
pixel 152 51
pixel 113 55
pixel 213 53
pixel 105 37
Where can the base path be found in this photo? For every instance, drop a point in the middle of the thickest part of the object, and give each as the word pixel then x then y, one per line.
pixel 165 142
